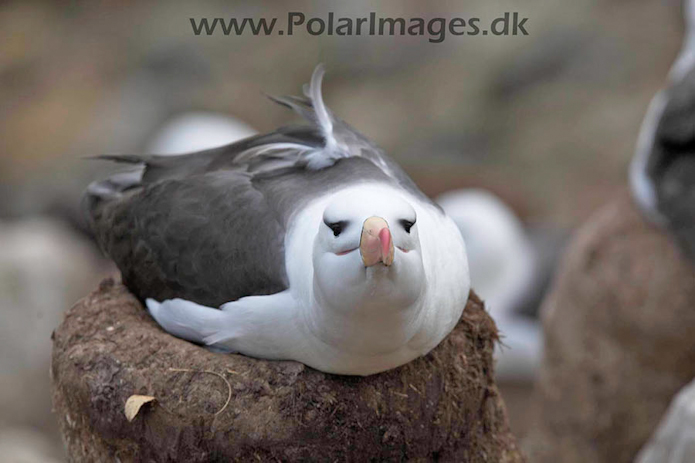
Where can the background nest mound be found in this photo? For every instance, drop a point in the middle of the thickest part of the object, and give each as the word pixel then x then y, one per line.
pixel 619 326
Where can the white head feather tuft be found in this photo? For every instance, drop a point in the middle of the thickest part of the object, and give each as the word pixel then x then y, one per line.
pixel 333 150
pixel 324 119
pixel 340 141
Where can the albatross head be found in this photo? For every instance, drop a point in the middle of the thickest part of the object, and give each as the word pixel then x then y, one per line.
pixel 367 253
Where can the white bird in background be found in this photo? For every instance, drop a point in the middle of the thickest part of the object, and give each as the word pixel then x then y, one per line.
pixel 504 272
pixel 197 131
pixel 307 243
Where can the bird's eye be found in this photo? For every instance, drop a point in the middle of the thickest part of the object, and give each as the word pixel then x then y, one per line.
pixel 336 227
pixel 407 225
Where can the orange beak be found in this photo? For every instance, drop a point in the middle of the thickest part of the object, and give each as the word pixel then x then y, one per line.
pixel 376 244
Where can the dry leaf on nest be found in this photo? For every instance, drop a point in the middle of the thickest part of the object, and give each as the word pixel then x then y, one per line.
pixel 134 403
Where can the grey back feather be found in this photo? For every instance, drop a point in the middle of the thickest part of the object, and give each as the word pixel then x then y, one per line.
pixel 662 173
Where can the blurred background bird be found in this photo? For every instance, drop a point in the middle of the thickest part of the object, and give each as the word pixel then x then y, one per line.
pixel 662 173
pixel 662 176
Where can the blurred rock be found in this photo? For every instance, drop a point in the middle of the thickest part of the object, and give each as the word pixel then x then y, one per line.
pixel 23 445
pixel 43 268
pixel 619 327
pixel 210 406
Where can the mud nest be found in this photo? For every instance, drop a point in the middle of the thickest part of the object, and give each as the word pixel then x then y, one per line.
pixel 221 407
pixel 619 326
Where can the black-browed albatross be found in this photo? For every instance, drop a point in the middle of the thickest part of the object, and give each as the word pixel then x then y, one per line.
pixel 307 244
pixel 662 173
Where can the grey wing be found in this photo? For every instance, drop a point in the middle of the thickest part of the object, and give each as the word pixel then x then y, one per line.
pixel 671 164
pixel 209 238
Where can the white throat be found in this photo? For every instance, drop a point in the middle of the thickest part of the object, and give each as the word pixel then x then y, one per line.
pixel 379 316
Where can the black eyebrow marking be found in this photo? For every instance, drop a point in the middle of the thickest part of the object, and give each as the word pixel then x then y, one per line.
pixel 407 224
pixel 336 227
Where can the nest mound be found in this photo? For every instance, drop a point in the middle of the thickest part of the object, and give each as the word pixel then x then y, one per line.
pixel 619 326
pixel 221 407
